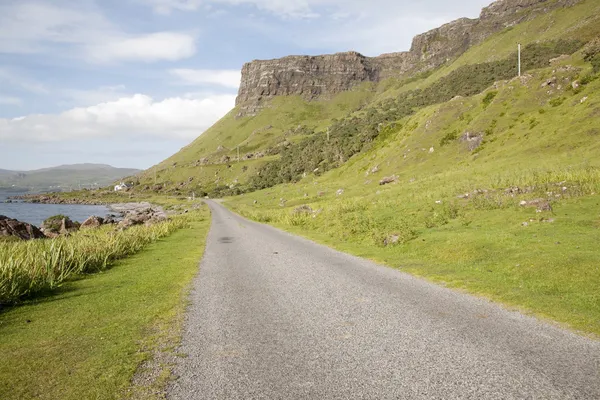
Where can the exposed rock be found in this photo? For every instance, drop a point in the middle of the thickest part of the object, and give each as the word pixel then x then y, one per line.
pixel 92 222
pixel 303 209
pixel 58 225
pixel 388 179
pixel 539 204
pixel 138 214
pixel 558 59
pixel 473 140
pixel 339 192
pixel 392 239
pixel 21 230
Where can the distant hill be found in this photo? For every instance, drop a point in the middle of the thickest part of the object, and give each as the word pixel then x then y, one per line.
pixel 64 177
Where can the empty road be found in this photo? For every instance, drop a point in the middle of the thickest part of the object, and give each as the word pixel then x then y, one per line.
pixel 275 316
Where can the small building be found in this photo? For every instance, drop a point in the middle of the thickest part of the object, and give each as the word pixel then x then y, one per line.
pixel 123 187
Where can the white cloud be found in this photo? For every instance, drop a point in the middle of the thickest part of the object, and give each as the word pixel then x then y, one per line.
pixel 333 9
pixel 83 97
pixel 166 6
pixel 226 78
pixel 10 101
pixel 80 30
pixel 154 47
pixel 138 115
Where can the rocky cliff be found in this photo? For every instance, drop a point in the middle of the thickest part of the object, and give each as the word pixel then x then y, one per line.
pixel 316 76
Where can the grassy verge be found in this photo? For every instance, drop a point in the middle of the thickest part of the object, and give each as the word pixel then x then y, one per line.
pixel 87 339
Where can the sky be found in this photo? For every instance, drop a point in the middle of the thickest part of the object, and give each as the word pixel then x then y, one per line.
pixel 130 82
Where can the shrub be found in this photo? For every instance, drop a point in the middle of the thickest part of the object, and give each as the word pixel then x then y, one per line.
pixel 591 53
pixel 557 101
pixel 449 137
pixel 489 97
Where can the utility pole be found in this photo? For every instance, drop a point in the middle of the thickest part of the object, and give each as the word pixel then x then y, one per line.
pixel 519 59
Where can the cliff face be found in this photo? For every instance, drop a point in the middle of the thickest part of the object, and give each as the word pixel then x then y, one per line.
pixel 316 76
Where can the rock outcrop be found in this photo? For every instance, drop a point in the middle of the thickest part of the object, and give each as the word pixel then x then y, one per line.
pixel 59 225
pixel 314 77
pixel 92 222
pixel 21 230
pixel 138 214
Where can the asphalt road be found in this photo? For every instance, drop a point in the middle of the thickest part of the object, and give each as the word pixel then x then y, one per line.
pixel 275 316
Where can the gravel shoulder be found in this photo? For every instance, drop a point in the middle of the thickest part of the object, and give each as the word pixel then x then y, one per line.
pixel 276 316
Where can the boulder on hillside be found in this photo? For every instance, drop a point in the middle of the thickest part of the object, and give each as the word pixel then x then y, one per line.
pixel 539 204
pixel 22 230
pixel 388 179
pixel 92 222
pixel 303 209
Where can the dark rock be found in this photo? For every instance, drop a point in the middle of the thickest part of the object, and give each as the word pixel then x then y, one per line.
pixel 387 180
pixel 92 222
pixel 21 230
pixel 58 225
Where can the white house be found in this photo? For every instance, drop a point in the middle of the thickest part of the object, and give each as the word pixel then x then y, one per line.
pixel 122 186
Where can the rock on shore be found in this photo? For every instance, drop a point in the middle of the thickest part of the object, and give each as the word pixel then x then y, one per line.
pixel 138 213
pixel 22 230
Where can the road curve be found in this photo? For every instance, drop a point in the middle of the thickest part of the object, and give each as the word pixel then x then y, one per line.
pixel 275 316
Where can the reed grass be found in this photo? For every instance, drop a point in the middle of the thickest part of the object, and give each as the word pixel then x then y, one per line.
pixel 31 267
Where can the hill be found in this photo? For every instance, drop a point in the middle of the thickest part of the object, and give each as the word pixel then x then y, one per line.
pixel 282 103
pixel 440 161
pixel 64 177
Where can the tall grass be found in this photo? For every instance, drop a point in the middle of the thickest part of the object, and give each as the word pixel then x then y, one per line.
pixel 30 267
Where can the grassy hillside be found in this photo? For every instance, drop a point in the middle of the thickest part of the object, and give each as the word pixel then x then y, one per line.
pixel 211 164
pixel 64 177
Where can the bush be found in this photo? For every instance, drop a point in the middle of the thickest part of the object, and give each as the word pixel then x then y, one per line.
pixel 489 97
pixel 449 137
pixel 591 53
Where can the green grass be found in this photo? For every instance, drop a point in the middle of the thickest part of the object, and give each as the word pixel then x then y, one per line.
pixel 87 339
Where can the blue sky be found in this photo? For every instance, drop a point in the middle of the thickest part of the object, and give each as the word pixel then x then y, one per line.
pixel 130 82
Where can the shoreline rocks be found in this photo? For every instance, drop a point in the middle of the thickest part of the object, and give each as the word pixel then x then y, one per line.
pixel 138 214
pixel 22 230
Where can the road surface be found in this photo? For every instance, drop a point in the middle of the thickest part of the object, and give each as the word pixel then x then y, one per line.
pixel 275 316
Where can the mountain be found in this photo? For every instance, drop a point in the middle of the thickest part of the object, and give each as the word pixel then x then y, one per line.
pixel 64 177
pixel 286 107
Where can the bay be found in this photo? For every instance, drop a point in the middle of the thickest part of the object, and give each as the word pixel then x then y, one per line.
pixel 35 214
